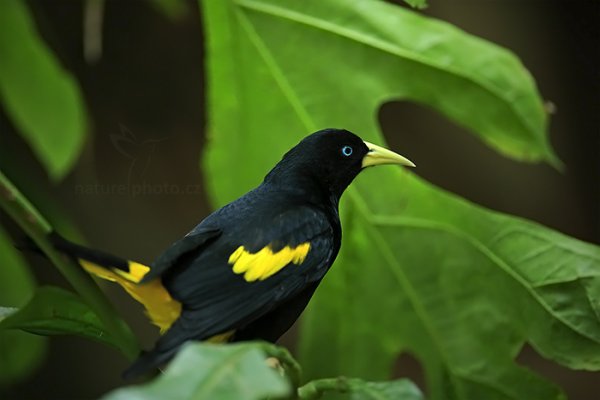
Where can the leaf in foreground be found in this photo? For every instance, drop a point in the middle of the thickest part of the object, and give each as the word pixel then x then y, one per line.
pixel 207 371
pixel 358 389
pixel 460 287
pixel 43 100
pixel 55 311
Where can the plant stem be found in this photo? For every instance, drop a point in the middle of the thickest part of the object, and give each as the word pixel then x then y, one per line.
pixel 291 366
pixel 37 228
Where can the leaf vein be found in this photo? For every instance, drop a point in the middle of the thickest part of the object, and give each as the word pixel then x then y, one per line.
pixel 496 259
pixel 383 46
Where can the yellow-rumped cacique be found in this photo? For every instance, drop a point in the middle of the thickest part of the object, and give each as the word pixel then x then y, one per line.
pixel 248 270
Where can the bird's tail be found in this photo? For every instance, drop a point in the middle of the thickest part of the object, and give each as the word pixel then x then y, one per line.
pixel 161 308
pixel 167 346
pixel 148 361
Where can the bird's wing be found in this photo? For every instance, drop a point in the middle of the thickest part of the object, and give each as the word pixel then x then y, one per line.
pixel 248 272
pixel 191 243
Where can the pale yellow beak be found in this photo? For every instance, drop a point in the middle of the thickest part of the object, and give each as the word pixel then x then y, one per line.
pixel 378 155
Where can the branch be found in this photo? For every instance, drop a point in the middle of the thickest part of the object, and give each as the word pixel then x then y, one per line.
pixel 37 228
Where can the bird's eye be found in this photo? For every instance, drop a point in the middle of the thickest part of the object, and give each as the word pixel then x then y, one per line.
pixel 347 151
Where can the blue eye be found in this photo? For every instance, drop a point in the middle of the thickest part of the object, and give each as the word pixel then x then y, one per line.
pixel 347 151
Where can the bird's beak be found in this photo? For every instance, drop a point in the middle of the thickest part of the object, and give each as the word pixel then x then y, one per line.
pixel 378 155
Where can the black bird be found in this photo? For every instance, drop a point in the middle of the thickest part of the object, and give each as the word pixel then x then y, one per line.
pixel 248 270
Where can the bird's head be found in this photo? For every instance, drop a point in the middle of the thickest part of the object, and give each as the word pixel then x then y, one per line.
pixel 328 160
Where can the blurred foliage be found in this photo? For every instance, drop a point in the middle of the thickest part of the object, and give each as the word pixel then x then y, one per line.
pixel 206 371
pixel 173 9
pixel 241 371
pixel 369 52
pixel 43 100
pixel 446 277
pixel 20 352
pixel 38 232
pixel 421 271
pixel 55 311
pixel 401 389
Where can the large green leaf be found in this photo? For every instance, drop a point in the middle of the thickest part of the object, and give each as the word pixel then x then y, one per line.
pixel 42 99
pixel 20 352
pixel 206 371
pixel 460 287
pixel 284 68
pixel 55 311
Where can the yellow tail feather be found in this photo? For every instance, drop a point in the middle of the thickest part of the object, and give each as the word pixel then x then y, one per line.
pixel 161 308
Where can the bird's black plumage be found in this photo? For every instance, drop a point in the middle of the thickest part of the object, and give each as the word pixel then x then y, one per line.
pixel 296 203
pixel 248 270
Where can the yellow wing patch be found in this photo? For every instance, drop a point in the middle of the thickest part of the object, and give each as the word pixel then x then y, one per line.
pixel 264 263
pixel 161 308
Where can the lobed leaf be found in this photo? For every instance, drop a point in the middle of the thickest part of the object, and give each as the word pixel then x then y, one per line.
pixel 43 100
pixel 207 371
pixel 314 64
pixel 464 289
pixel 460 287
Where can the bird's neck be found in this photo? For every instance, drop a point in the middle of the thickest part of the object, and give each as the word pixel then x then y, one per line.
pixel 311 188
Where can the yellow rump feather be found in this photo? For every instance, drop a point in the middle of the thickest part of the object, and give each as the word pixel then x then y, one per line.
pixel 266 262
pixel 161 308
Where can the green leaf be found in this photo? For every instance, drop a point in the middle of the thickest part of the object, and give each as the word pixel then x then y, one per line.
pixel 7 311
pixel 207 371
pixel 460 287
pixel 401 389
pixel 43 99
pixel 20 353
pixel 55 311
pixel 358 389
pixel 364 53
